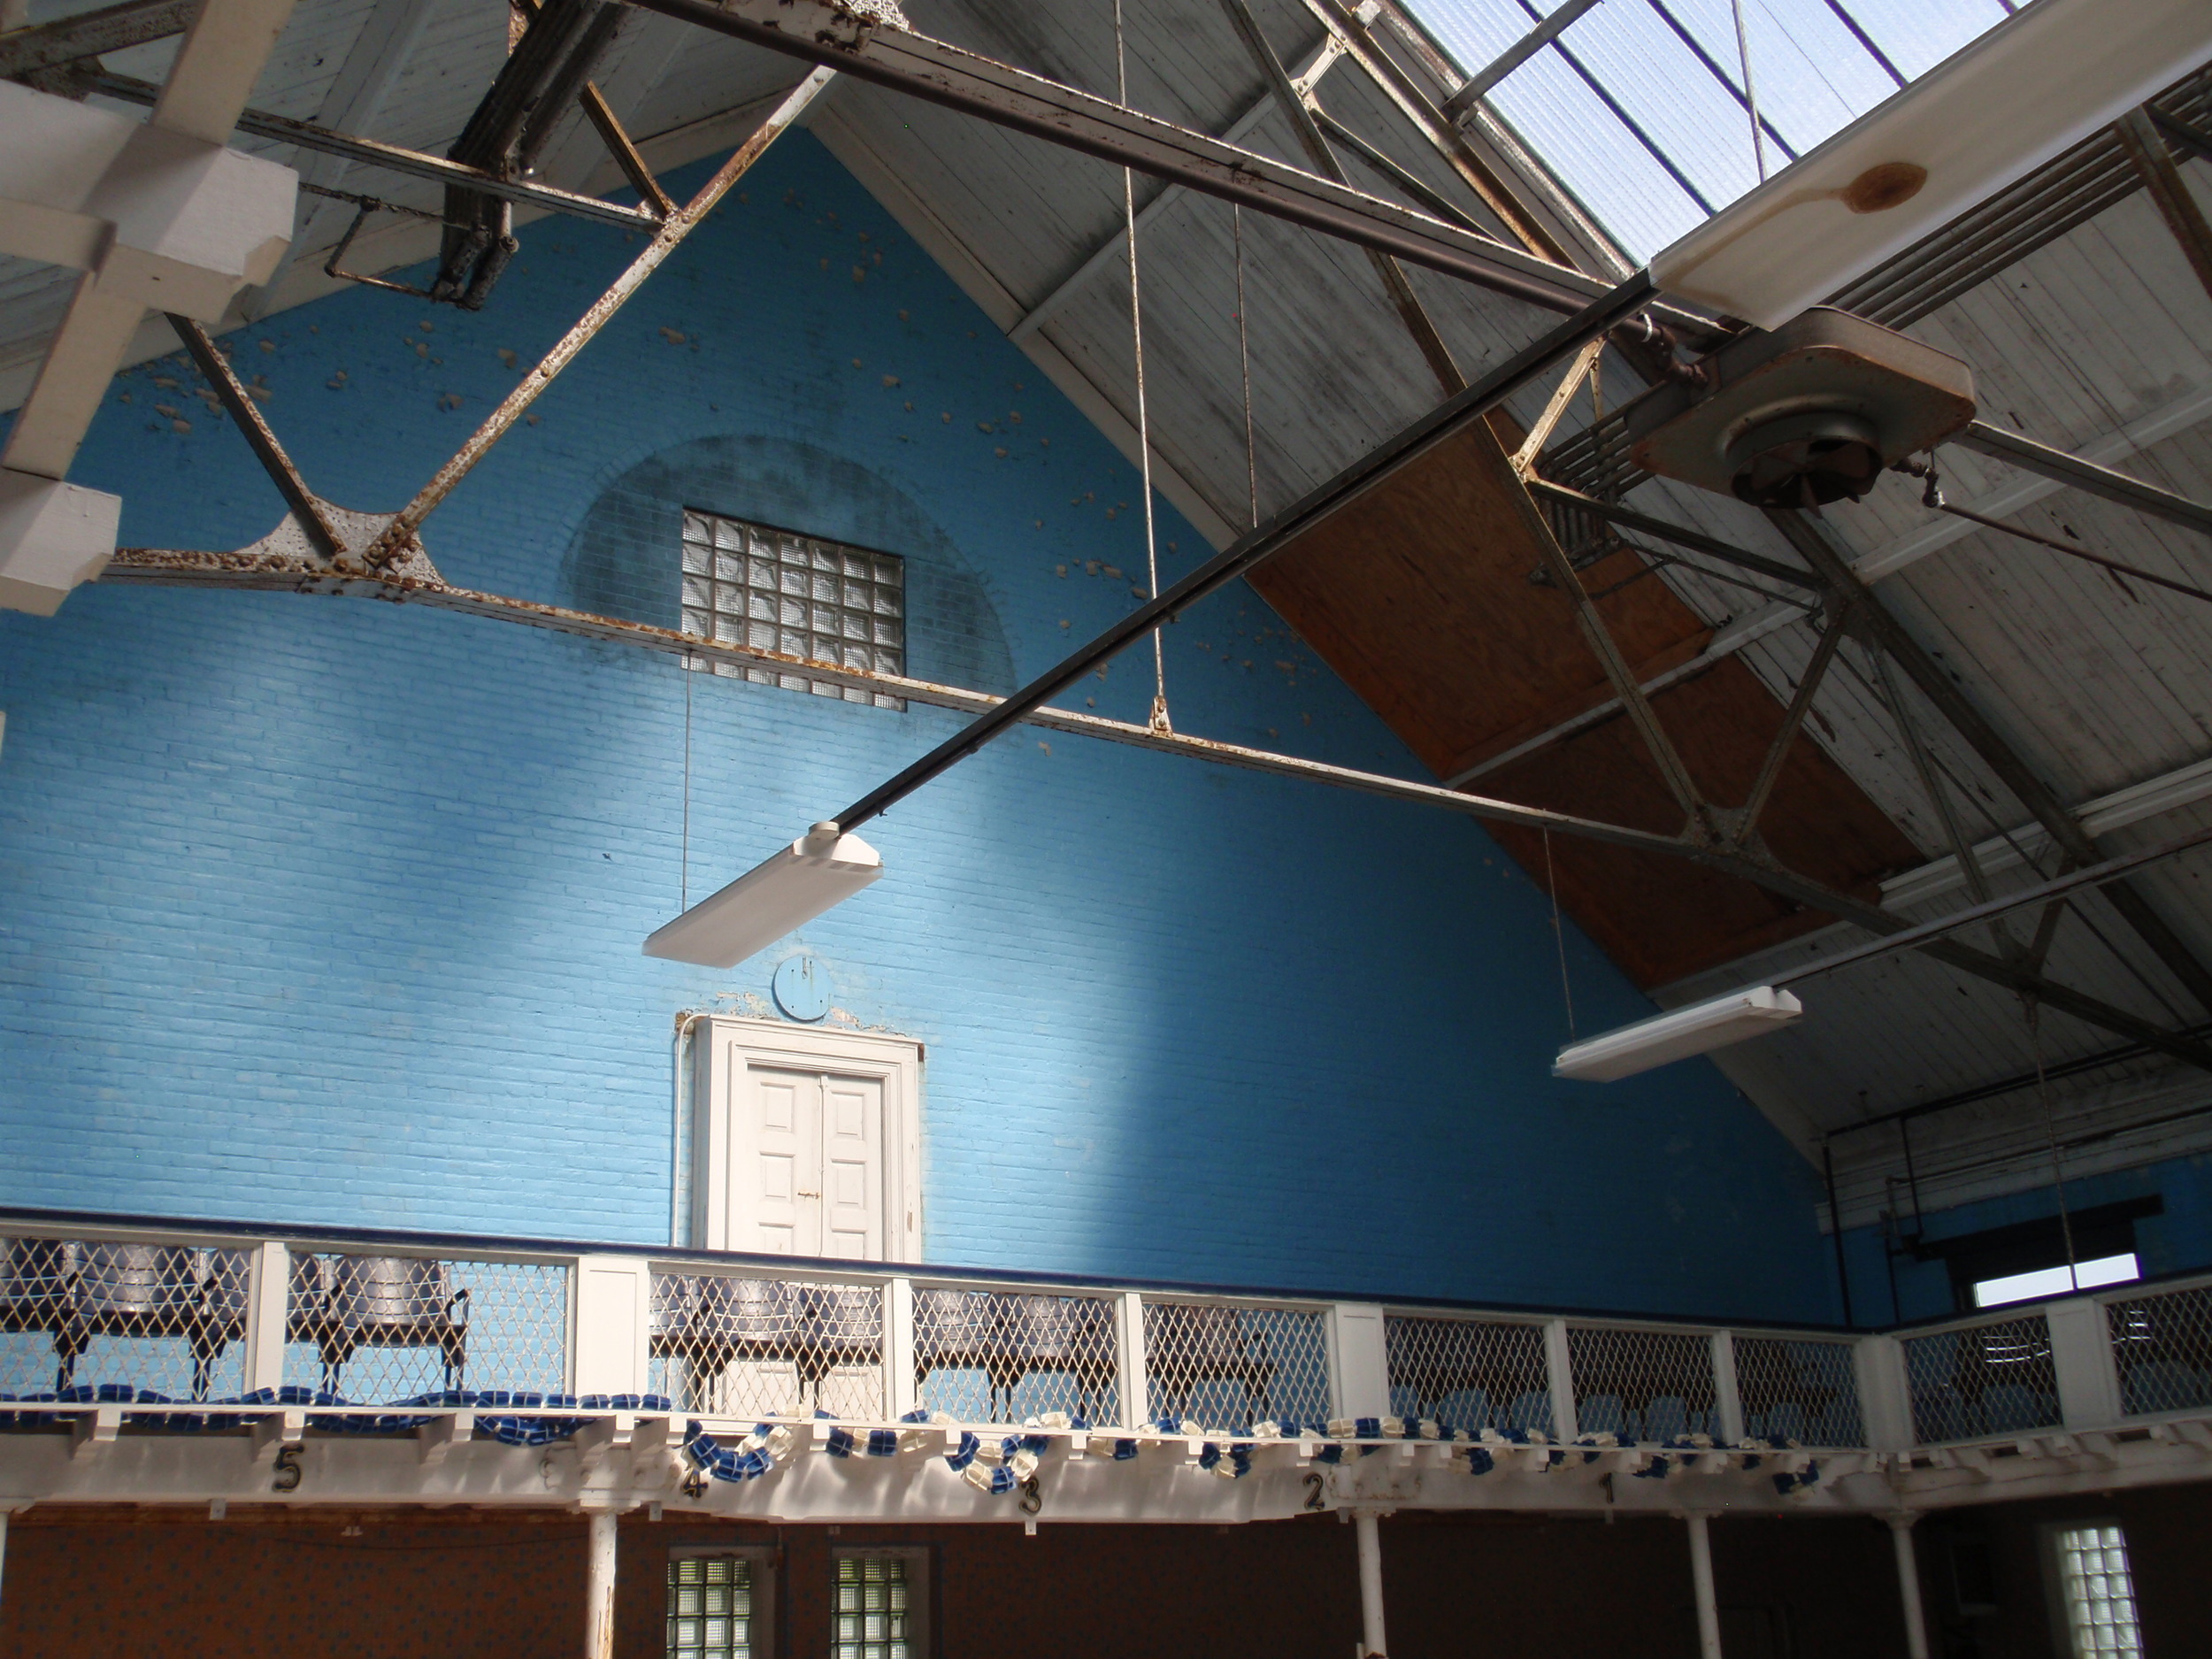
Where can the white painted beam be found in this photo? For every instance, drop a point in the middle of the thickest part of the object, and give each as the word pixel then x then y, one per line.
pixel 178 222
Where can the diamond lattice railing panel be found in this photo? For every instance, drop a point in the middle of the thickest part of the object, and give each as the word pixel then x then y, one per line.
pixel 2163 1345
pixel 766 1347
pixel 1988 1379
pixel 167 1318
pixel 1642 1385
pixel 1800 1389
pixel 374 1328
pixel 1004 1357
pixel 1470 1373
pixel 1229 1366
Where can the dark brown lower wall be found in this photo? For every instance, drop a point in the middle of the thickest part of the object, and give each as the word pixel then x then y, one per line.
pixel 91 1585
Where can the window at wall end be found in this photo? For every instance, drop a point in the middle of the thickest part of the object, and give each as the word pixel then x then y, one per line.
pixel 775 590
pixel 879 1604
pixel 2095 1591
pixel 2062 1280
pixel 718 1604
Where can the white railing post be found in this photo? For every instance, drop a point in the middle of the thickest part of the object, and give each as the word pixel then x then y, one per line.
pixel 268 1285
pixel 1129 1356
pixel 2081 1355
pixel 1559 1367
pixel 1359 1360
pixel 901 1388
pixel 613 1326
pixel 1885 1396
pixel 1727 1396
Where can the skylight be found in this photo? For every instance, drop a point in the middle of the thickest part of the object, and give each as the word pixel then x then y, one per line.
pixel 1639 105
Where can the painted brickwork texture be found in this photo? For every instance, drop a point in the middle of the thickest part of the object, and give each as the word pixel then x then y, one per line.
pixel 402 1588
pixel 322 912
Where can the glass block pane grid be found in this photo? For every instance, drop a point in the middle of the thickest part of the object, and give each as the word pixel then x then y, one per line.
pixel 378 1328
pixel 166 1318
pixel 874 1604
pixel 1471 1373
pixel 710 1606
pixel 2097 1591
pixel 997 1357
pixel 766 1347
pixel 2163 1346
pixel 745 584
pixel 1797 1390
pixel 1228 1368
pixel 1642 1385
pixel 1987 1379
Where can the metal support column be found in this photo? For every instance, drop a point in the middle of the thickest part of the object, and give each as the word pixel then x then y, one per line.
pixel 599 1586
pixel 1908 1585
pixel 1701 1585
pixel 1372 1644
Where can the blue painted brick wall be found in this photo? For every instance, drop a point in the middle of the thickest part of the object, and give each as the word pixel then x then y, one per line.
pixel 2177 1241
pixel 326 912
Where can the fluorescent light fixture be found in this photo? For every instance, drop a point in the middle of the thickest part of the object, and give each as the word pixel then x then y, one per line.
pixel 1698 1029
pixel 821 869
pixel 2045 1282
pixel 2043 79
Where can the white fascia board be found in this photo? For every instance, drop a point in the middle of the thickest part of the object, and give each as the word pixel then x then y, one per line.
pixel 782 892
pixel 1698 1029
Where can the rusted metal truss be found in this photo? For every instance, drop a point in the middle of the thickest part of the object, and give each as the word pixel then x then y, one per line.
pixel 869 48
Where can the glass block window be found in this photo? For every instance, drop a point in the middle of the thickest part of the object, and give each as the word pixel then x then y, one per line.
pixel 710 1606
pixel 750 584
pixel 879 1613
pixel 2096 1591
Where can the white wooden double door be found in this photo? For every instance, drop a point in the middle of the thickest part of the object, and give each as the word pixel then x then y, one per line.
pixel 806 1172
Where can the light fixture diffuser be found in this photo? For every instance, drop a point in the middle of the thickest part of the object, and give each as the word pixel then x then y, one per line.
pixel 1697 1029
pixel 818 871
pixel 2043 79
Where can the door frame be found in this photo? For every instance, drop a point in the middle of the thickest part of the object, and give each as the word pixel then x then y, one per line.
pixel 725 1046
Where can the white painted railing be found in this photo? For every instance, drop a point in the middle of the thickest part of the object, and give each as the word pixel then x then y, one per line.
pixel 383 1332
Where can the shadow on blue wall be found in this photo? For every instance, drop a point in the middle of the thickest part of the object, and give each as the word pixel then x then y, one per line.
pixel 318 912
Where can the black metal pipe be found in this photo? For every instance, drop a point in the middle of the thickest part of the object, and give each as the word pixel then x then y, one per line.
pixel 1264 542
pixel 1835 1230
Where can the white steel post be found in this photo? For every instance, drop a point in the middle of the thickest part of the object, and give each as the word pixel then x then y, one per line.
pixel 1701 1585
pixel 900 1390
pixel 1727 1394
pixel 1359 1360
pixel 1372 1642
pixel 1129 1352
pixel 268 1285
pixel 1560 1367
pixel 2081 1355
pixel 1908 1585
pixel 1884 1395
pixel 599 1586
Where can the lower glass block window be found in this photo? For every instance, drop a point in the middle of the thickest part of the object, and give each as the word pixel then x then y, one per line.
pixel 2096 1590
pixel 710 1606
pixel 877 1615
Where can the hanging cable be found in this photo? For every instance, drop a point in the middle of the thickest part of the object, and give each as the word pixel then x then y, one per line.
pixel 1559 937
pixel 684 880
pixel 2050 1134
pixel 1244 362
pixel 1750 92
pixel 1144 433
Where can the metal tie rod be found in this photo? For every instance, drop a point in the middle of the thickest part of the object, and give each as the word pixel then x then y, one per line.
pixel 1263 543
pixel 1912 938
